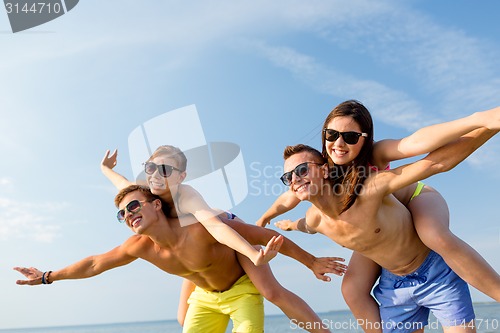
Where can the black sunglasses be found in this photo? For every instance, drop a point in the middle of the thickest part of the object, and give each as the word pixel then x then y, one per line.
pixel 132 207
pixel 164 170
pixel 300 170
pixel 351 138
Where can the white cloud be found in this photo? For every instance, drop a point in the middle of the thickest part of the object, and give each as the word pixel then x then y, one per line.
pixel 24 220
pixel 391 106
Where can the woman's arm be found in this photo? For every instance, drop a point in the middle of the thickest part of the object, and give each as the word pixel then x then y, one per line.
pixel 319 266
pixel 441 160
pixel 107 164
pixel 192 202
pixel 432 137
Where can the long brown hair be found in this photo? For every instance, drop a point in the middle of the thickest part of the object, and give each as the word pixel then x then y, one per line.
pixel 351 176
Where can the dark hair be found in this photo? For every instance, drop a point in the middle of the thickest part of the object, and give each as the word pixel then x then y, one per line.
pixel 292 150
pixel 352 176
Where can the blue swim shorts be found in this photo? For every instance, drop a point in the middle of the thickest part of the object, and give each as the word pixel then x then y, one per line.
pixel 405 301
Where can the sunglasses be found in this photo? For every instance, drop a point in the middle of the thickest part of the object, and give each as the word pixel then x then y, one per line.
pixel 300 170
pixel 351 138
pixel 132 207
pixel 164 170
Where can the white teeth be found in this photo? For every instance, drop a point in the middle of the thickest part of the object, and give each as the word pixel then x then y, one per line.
pixel 340 152
pixel 301 188
pixel 135 221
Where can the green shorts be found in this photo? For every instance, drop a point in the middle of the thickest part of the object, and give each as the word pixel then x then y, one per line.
pixel 210 311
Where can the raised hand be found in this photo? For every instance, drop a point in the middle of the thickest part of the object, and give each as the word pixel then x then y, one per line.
pixel 109 160
pixel 271 250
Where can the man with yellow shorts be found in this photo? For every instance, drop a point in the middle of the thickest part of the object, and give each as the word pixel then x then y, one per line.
pixel 223 290
pixel 209 311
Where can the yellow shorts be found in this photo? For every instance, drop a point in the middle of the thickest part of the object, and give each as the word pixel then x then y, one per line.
pixel 210 311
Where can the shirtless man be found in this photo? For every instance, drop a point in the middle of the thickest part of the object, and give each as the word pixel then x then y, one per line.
pixel 414 279
pixel 192 253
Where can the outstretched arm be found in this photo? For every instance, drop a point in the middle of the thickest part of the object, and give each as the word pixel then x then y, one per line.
pixel 319 266
pixel 432 137
pixel 285 202
pixel 82 269
pixel 440 160
pixel 307 224
pixel 107 164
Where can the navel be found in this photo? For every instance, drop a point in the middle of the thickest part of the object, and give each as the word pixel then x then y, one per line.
pixel 377 230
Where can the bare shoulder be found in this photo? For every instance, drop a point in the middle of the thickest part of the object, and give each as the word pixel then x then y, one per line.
pixel 190 199
pixel 187 190
pixel 136 244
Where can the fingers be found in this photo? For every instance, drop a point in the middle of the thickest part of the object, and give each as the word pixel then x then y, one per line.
pixel 282 226
pixel 262 223
pixel 34 275
pixel 336 259
pixel 323 277
pixel 106 155
pixel 275 243
pixel 27 271
pixel 110 156
pixel 24 282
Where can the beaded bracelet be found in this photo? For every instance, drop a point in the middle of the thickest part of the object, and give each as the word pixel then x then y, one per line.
pixel 45 280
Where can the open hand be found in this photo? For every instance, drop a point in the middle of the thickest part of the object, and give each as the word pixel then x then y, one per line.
pixel 334 265
pixel 271 250
pixel 34 276
pixel 286 225
pixel 109 160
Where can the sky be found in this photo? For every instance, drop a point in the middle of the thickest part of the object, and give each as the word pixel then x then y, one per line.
pixel 262 75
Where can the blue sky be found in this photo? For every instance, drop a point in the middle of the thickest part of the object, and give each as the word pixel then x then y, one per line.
pixel 262 75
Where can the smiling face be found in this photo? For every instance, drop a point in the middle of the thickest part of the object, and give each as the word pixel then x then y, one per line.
pixel 160 185
pixel 143 216
pixel 312 180
pixel 339 151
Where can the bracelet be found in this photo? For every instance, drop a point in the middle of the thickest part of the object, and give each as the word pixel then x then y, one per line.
pixel 45 280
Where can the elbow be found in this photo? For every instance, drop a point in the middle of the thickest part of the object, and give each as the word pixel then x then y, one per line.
pixel 444 165
pixel 440 167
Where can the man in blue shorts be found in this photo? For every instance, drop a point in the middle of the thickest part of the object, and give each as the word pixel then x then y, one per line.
pixel 376 225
